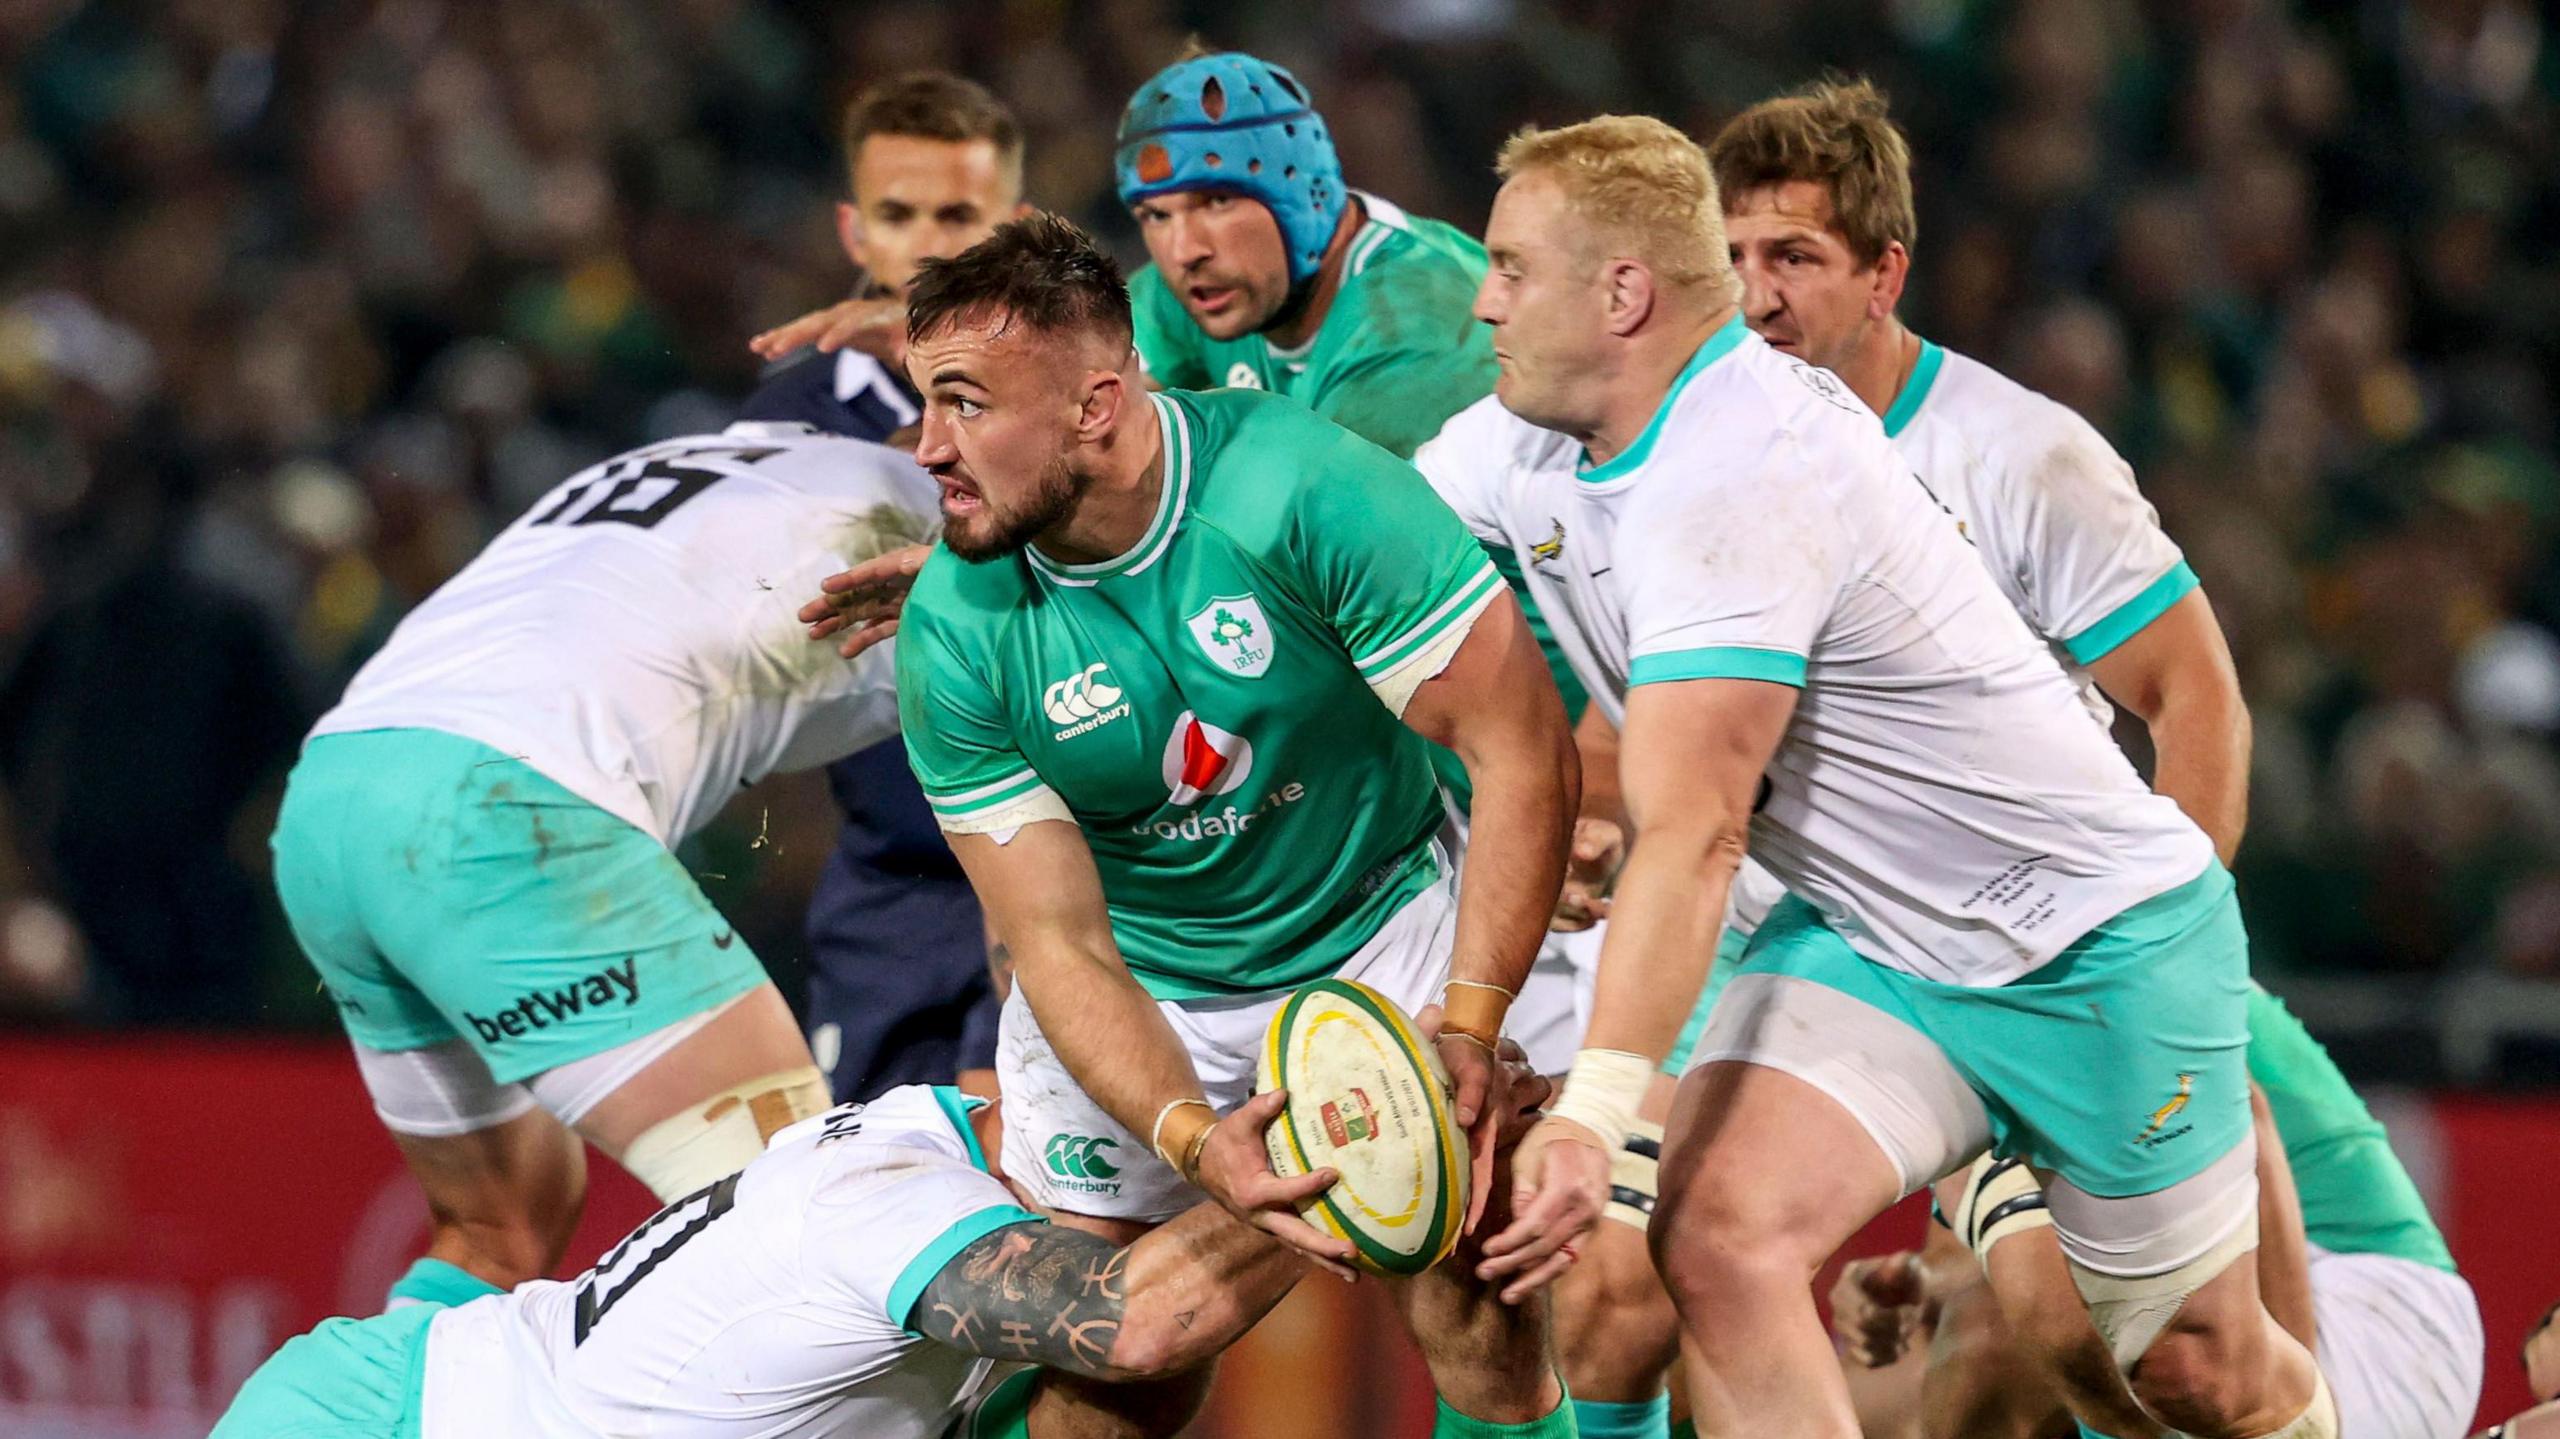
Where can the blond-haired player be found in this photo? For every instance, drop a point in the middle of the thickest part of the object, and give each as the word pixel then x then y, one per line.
pixel 1806 660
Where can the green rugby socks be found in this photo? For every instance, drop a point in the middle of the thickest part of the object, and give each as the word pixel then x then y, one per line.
pixel 1599 1420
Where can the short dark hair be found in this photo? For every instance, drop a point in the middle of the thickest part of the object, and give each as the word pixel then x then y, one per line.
pixel 1041 271
pixel 1835 133
pixel 932 105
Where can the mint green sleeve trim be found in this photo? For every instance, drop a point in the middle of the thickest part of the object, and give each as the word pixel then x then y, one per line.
pixel 2098 640
pixel 929 1261
pixel 1718 662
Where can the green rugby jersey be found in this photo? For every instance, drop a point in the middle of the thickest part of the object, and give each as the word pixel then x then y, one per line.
pixel 2356 1198
pixel 1201 706
pixel 1398 354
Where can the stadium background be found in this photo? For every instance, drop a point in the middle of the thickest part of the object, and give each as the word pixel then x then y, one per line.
pixel 299 301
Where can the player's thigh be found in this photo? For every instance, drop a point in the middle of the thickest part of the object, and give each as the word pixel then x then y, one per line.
pixel 1069 1154
pixel 505 1197
pixel 548 931
pixel 2401 1343
pixel 357 809
pixel 1813 1103
pixel 748 1050
pixel 1063 1149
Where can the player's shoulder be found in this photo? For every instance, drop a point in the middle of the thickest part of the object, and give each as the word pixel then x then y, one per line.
pixel 1742 400
pixel 954 597
pixel 1488 433
pixel 2008 425
pixel 1259 467
pixel 1409 284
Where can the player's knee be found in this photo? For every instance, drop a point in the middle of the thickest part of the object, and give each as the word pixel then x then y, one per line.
pixel 1714 1232
pixel 716 1137
pixel 1615 1329
pixel 2195 1380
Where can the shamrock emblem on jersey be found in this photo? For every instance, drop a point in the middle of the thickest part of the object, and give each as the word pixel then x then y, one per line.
pixel 1233 633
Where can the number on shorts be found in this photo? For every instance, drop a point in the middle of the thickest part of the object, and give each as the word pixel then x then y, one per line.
pixel 605 1285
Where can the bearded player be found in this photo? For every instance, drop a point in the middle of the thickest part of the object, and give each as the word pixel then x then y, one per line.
pixel 1267 617
pixel 1805 654
pixel 475 849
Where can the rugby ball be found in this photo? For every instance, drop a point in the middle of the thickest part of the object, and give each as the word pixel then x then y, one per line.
pixel 1367 1098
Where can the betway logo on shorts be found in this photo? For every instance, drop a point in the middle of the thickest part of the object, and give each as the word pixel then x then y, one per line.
pixel 1083 702
pixel 1082 1163
pixel 1202 761
pixel 543 1008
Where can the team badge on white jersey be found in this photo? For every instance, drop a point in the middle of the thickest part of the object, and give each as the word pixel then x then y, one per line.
pixel 1232 631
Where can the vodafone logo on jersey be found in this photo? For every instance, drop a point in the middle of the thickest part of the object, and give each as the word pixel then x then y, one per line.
pixel 1202 760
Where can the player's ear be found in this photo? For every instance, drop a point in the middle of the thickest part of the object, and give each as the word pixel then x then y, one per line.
pixel 1629 285
pixel 849 233
pixel 1098 404
pixel 1893 270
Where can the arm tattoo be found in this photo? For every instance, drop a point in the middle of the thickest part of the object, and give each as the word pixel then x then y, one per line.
pixel 1040 1293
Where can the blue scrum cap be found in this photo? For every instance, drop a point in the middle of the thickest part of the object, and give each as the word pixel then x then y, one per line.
pixel 1232 122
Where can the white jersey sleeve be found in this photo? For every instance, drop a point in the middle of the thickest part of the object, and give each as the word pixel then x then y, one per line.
pixel 1734 575
pixel 2101 566
pixel 1467 461
pixel 2053 510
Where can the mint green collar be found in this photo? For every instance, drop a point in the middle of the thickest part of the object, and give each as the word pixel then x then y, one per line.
pixel 957 1108
pixel 1632 458
pixel 1915 391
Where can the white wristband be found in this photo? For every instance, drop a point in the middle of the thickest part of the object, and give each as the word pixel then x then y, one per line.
pixel 1603 1093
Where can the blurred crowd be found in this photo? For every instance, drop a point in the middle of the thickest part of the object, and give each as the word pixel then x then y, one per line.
pixel 299 301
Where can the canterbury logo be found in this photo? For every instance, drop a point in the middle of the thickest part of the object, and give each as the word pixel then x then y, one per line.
pixel 1086 700
pixel 1080 1156
pixel 2160 1117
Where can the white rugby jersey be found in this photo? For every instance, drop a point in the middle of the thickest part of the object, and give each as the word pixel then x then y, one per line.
pixel 634 636
pixel 773 1305
pixel 1940 793
pixel 2048 503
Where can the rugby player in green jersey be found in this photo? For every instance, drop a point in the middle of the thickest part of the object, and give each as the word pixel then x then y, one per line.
pixel 1168 693
pixel 1268 272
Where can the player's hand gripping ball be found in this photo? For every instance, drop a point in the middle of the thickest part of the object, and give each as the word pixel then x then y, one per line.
pixel 1368 1098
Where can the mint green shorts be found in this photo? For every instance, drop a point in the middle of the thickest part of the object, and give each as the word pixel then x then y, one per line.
pixel 2122 1064
pixel 1728 957
pixel 445 890
pixel 347 1379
